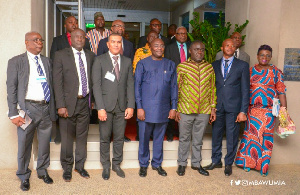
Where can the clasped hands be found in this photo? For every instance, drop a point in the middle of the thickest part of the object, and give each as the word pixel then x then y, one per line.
pixel 102 115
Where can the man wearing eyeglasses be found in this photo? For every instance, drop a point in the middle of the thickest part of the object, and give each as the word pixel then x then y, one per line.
pixel 31 106
pixel 178 53
pixel 155 25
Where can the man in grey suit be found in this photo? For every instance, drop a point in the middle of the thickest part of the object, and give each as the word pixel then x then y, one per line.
pixel 113 88
pixel 72 87
pixel 239 54
pixel 30 96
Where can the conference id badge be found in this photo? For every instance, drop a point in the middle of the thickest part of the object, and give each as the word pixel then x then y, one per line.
pixel 110 76
pixel 41 79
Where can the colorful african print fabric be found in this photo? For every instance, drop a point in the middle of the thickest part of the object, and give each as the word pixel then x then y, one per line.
pixel 196 87
pixel 140 54
pixel 94 38
pixel 257 143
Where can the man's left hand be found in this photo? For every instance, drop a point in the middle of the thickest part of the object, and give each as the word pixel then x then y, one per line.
pixel 172 114
pixel 241 117
pixel 128 113
pixel 213 116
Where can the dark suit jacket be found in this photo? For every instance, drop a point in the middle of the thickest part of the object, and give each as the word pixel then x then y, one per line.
pixel 61 42
pixel 108 93
pixel 242 56
pixel 172 52
pixel 233 93
pixel 128 50
pixel 17 84
pixel 143 41
pixel 65 78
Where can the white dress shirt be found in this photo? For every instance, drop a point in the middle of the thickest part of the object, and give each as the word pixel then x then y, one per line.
pixel 83 57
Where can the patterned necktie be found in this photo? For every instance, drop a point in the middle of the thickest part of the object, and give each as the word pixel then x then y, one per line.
pixel 182 54
pixel 82 75
pixel 116 64
pixel 45 85
pixel 226 69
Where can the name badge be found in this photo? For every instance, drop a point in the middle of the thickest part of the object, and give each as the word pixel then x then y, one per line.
pixel 110 76
pixel 41 79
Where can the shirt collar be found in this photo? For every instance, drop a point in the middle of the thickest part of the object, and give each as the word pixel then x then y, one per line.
pixel 68 34
pixel 230 59
pixel 180 44
pixel 112 55
pixel 75 51
pixel 32 55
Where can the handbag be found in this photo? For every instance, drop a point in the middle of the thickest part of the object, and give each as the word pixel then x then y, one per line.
pixel 286 126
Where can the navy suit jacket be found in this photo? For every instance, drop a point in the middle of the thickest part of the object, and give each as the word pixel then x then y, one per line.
pixel 128 50
pixel 233 93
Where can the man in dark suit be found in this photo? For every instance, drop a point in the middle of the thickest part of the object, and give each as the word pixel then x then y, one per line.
pixel 171 33
pixel 113 88
pixel 155 88
pixel 61 42
pixel 239 54
pixel 233 83
pixel 127 50
pixel 178 53
pixel 30 97
pixel 118 27
pixel 155 25
pixel 72 87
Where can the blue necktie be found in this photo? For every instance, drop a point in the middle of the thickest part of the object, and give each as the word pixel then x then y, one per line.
pixel 45 85
pixel 82 75
pixel 226 69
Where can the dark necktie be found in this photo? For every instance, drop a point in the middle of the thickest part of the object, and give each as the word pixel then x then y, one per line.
pixel 116 64
pixel 235 54
pixel 45 85
pixel 82 75
pixel 226 69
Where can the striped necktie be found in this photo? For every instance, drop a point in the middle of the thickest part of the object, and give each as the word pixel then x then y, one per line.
pixel 82 75
pixel 45 85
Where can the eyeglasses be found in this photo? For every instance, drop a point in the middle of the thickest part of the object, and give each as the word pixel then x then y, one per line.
pixel 267 56
pixel 37 40
pixel 118 26
pixel 156 25
pixel 181 34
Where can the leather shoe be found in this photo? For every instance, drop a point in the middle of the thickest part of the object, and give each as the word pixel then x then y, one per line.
pixel 143 172
pixel 211 166
pixel 201 170
pixel 82 173
pixel 169 138
pixel 181 170
pixel 126 139
pixel 119 171
pixel 67 176
pixel 46 178
pixel 25 185
pixel 106 174
pixel 160 171
pixel 228 170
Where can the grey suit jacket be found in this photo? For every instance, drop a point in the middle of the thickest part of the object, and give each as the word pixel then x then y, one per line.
pixel 242 56
pixel 17 84
pixel 108 93
pixel 65 78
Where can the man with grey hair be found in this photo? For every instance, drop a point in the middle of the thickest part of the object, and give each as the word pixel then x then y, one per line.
pixel 31 106
pixel 178 53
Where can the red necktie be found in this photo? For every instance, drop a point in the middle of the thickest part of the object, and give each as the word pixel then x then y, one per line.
pixel 182 54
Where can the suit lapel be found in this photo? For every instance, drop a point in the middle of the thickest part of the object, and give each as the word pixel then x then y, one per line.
pixel 71 57
pixel 66 41
pixel 122 68
pixel 46 67
pixel 176 51
pixel 26 68
pixel 88 64
pixel 232 69
pixel 220 69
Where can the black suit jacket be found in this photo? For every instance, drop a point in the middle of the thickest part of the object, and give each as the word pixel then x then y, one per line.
pixel 61 42
pixel 128 50
pixel 108 93
pixel 65 78
pixel 143 41
pixel 233 93
pixel 172 52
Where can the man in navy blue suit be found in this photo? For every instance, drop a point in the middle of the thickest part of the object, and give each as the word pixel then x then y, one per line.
pixel 155 88
pixel 233 83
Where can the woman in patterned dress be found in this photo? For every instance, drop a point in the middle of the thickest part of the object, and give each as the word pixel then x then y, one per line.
pixel 266 83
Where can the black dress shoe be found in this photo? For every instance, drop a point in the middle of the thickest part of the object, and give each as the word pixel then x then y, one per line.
pixel 201 170
pixel 106 174
pixel 126 139
pixel 82 173
pixel 169 138
pixel 228 170
pixel 119 171
pixel 143 172
pixel 46 178
pixel 160 171
pixel 181 170
pixel 211 166
pixel 25 185
pixel 67 176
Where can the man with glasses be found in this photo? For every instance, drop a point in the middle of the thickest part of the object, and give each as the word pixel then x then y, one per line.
pixel 31 106
pixel 178 53
pixel 155 25
pixel 156 100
